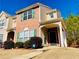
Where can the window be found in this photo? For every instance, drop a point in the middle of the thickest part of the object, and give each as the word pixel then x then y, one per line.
pixel 2 23
pixel 51 15
pixel 26 34
pixel 1 37
pixel 21 35
pixel 32 33
pixel 28 14
pixel 25 16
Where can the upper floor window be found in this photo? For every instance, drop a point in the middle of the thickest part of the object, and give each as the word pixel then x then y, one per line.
pixel 25 16
pixel 1 37
pixel 51 15
pixel 28 14
pixel 2 23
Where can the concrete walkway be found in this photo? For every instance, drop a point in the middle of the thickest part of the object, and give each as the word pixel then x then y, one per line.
pixel 33 54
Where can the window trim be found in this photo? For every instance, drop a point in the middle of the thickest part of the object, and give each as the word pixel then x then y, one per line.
pixel 29 13
pixel 1 37
pixel 51 14
pixel 23 35
pixel 32 15
pixel 2 23
pixel 25 14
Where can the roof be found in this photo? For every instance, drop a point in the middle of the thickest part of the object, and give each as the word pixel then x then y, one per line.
pixel 52 11
pixel 51 21
pixel 30 7
pixel 54 21
pixel 4 13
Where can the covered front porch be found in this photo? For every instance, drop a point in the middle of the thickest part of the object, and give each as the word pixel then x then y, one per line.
pixel 53 34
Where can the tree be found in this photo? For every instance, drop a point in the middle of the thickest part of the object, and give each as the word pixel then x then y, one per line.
pixel 72 27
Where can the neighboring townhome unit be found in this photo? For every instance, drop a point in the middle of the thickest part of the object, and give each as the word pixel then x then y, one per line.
pixel 41 21
pixel 7 27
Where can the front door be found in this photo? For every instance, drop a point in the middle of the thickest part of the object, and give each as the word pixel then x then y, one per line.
pixel 52 36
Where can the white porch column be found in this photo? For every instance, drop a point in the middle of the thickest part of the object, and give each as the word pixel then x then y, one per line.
pixel 41 35
pixel 61 35
pixel 15 38
pixel 39 31
pixel 64 36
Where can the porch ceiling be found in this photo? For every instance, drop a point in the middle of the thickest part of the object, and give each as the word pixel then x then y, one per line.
pixel 50 25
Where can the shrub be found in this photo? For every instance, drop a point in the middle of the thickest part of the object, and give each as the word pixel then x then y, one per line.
pixel 36 42
pixel 77 42
pixel 27 44
pixel 8 44
pixel 19 44
pixel 69 42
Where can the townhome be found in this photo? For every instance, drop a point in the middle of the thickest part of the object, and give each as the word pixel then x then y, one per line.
pixel 7 27
pixel 41 21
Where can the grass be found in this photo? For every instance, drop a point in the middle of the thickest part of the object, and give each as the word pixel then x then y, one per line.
pixel 60 53
pixel 8 54
pixel 52 53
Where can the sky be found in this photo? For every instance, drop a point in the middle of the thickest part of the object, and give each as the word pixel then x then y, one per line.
pixel 66 7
